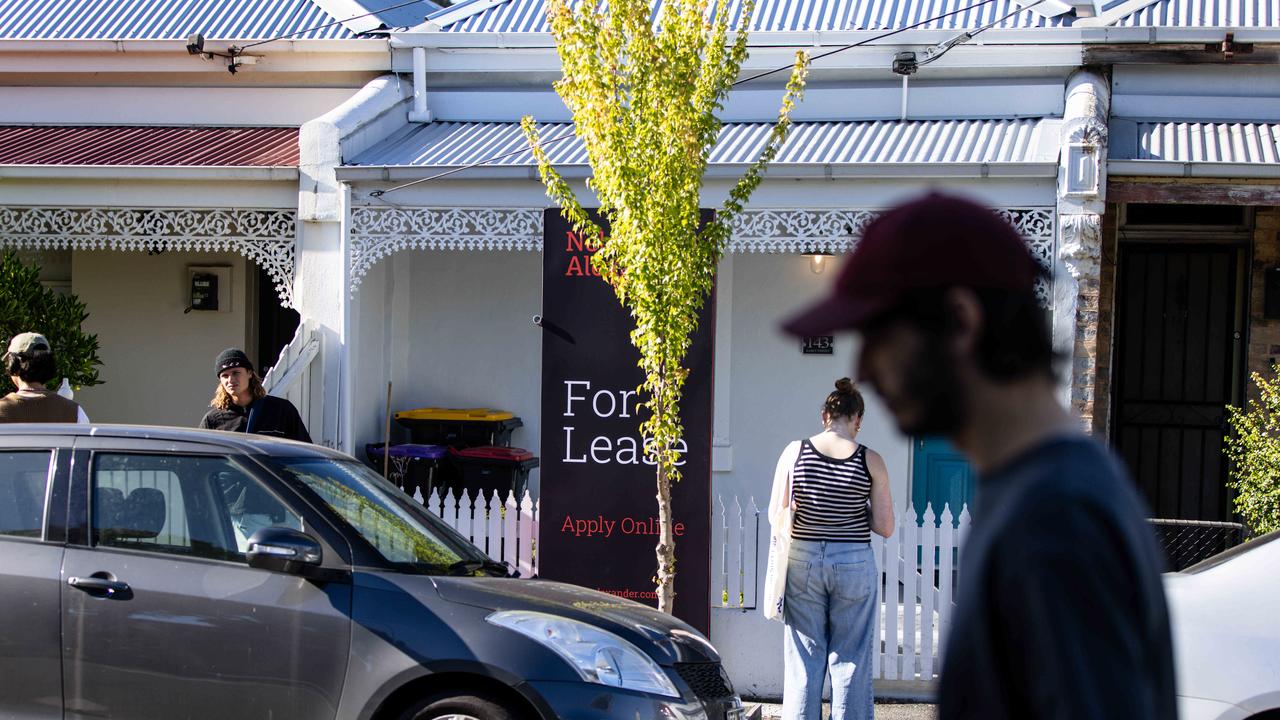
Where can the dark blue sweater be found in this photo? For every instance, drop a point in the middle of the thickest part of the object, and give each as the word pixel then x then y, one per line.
pixel 1060 611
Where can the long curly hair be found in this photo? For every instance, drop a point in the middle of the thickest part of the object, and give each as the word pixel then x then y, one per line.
pixel 222 400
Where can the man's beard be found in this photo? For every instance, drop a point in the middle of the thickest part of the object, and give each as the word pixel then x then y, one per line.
pixel 932 389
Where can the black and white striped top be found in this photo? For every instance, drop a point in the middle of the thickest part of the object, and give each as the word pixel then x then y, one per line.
pixel 831 496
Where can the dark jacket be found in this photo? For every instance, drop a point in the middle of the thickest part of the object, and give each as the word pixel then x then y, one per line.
pixel 1061 613
pixel 272 416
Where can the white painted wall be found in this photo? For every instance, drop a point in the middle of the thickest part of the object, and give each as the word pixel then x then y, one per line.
pixel 168 105
pixel 157 362
pixel 458 334
pixel 882 100
pixel 369 354
pixel 782 194
pixel 110 193
pixel 775 394
pixel 1188 93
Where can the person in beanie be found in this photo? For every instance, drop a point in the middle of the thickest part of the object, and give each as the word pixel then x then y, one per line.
pixel 241 404
pixel 30 364
pixel 1060 612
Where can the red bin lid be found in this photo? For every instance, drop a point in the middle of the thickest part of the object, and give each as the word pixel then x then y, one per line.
pixel 491 452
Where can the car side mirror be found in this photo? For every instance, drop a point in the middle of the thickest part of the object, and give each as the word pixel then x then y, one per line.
pixel 283 550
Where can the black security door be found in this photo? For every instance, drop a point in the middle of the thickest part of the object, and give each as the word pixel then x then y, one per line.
pixel 276 323
pixel 1178 349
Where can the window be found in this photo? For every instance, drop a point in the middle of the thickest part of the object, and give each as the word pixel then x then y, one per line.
pixel 200 506
pixel 366 502
pixel 24 478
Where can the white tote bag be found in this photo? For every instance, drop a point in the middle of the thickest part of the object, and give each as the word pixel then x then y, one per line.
pixel 781 512
pixel 775 576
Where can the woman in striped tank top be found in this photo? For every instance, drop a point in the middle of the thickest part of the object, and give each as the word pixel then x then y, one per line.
pixel 839 496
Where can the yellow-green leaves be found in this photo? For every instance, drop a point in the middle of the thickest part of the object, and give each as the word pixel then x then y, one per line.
pixel 644 90
pixel 1254 450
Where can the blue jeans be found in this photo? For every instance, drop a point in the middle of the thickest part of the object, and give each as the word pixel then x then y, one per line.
pixel 830 613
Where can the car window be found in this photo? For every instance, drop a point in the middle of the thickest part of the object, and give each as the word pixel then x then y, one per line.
pixel 365 501
pixel 192 505
pixel 24 479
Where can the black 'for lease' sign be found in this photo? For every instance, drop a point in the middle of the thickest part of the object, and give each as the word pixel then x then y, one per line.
pixel 599 521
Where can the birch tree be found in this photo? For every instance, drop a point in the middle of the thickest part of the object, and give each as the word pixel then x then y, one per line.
pixel 645 87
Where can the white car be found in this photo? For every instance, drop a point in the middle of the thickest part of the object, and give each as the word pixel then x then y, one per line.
pixel 1225 614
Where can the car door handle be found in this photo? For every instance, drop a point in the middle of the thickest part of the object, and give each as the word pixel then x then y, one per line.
pixel 110 588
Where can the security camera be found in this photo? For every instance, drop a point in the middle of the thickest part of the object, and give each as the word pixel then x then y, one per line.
pixel 195 43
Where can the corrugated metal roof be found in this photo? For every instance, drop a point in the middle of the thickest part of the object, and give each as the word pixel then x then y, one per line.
pixel 1206 142
pixel 1206 13
pixel 362 16
pixel 164 19
pixel 529 16
pixel 149 146
pixel 453 144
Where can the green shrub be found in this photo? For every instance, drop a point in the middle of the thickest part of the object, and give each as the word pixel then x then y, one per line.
pixel 1254 450
pixel 28 306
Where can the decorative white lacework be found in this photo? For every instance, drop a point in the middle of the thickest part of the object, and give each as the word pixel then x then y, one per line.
pixel 377 232
pixel 1037 227
pixel 266 237
pixel 798 231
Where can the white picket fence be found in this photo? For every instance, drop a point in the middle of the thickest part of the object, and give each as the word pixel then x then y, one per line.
pixel 919 568
pixel 506 529
pixel 298 376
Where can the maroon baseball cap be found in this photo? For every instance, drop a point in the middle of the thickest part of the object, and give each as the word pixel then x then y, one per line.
pixel 935 241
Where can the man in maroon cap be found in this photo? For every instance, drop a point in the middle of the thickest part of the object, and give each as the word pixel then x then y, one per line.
pixel 1060 611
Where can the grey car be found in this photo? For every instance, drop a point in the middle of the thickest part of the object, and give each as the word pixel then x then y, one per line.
pixel 166 573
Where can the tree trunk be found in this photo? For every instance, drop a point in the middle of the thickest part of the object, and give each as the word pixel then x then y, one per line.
pixel 666 548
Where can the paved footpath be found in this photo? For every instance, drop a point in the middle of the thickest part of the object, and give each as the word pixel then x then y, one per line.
pixel 884 711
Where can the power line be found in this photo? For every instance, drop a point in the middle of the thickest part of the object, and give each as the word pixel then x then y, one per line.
pixel 943 48
pixel 239 50
pixel 870 40
pixel 882 36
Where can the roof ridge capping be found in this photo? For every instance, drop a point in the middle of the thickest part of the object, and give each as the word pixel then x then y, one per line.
pixel 440 20
pixel 362 16
pixel 345 12
pixel 1117 12
pixel 1089 13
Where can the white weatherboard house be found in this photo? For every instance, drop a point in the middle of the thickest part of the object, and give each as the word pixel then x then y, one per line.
pixel 1108 133
pixel 445 274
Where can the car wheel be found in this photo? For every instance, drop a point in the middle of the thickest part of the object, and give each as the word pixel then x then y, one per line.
pixel 460 707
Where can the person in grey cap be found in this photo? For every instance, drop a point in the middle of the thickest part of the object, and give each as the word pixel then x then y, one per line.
pixel 30 364
pixel 241 403
pixel 1060 611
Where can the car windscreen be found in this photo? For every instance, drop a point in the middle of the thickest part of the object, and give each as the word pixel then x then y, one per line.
pixel 1226 555
pixel 403 532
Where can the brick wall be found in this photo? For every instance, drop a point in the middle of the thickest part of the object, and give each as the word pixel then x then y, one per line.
pixel 1264 335
pixel 1085 360
pixel 1101 419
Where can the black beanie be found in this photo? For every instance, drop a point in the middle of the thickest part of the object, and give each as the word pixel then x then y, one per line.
pixel 231 358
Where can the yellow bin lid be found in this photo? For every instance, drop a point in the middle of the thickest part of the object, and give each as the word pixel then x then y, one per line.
pixel 455 414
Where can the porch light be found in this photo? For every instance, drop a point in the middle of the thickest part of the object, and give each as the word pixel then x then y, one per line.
pixel 817 260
